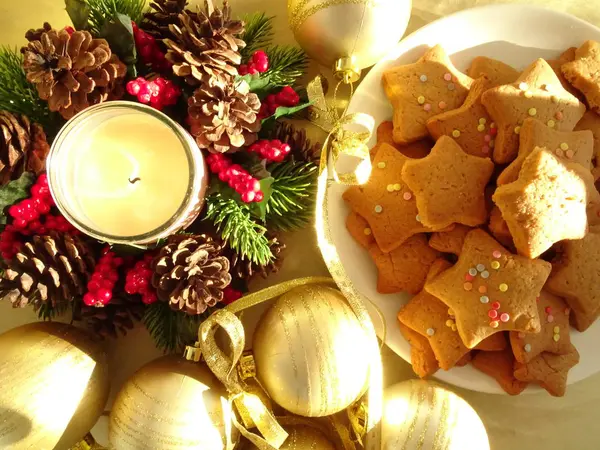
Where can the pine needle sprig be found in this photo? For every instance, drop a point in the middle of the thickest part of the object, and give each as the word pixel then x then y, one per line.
pixel 286 64
pixel 17 95
pixel 103 10
pixel 258 33
pixel 236 226
pixel 47 311
pixel 292 201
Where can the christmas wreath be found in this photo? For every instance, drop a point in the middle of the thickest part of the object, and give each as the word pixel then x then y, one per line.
pixel 222 79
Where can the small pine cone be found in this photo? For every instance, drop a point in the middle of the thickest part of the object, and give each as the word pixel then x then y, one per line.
pixel 190 273
pixel 302 148
pixel 165 12
pixel 223 120
pixel 246 270
pixel 114 319
pixel 73 71
pixel 23 147
pixel 35 35
pixel 53 268
pixel 205 49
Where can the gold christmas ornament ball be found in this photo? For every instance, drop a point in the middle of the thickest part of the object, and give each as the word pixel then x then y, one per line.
pixel 422 415
pixel 171 404
pixel 310 352
pixel 54 385
pixel 363 30
pixel 302 437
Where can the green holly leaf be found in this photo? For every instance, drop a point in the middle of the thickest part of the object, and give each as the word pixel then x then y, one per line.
pixel 118 32
pixel 15 191
pixel 259 209
pixel 79 12
pixel 268 123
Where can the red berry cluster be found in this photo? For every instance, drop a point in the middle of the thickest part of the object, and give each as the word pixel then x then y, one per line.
pixel 259 63
pixel 69 29
pixel 137 280
pixel 149 51
pixel 105 276
pixel 239 179
pixel 286 97
pixel 230 295
pixel 159 92
pixel 275 150
pixel 10 243
pixel 30 209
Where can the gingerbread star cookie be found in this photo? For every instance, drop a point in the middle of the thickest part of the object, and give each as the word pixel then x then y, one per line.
pixel 583 72
pixel 549 371
pixel 567 56
pixel 449 185
pixel 422 357
pixel 554 336
pixel 359 229
pixel 500 366
pixel 490 290
pixel 470 125
pixel 536 93
pixel 420 90
pixel 449 241
pixel 576 146
pixel 591 121
pixel 405 268
pixel 499 228
pixel 496 71
pixel 495 343
pixel 386 202
pixel 575 277
pixel 548 203
pixel 418 149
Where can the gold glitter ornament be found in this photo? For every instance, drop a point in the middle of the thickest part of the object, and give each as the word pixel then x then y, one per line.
pixel 303 437
pixel 54 385
pixel 309 352
pixel 171 404
pixel 348 35
pixel 420 414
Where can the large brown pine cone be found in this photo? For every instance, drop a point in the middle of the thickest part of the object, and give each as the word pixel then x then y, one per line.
pixel 246 270
pixel 223 120
pixel 53 268
pixel 163 13
pixel 73 71
pixel 301 146
pixel 36 34
pixel 23 147
pixel 205 49
pixel 190 273
pixel 114 319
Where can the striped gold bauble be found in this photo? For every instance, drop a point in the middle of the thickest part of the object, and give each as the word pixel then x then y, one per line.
pixel 54 386
pixel 310 352
pixel 421 415
pixel 170 404
pixel 302 437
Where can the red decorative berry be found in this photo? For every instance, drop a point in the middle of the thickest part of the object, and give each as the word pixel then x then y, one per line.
pixel 286 97
pixel 69 30
pixel 236 176
pixel 275 150
pixel 137 280
pixel 149 51
pixel 260 61
pixel 101 285
pixel 230 295
pixel 159 92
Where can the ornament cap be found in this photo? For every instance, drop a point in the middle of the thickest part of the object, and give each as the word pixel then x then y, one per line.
pixel 346 69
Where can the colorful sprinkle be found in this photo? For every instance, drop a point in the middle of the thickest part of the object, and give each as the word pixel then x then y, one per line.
pixel 473 271
pixel 559 152
pixel 496 305
pixel 447 76
pixel 564 146
pixel 523 86
pixel 556 329
pixel 485 274
pixel 485 149
pixel 482 120
pixel 517 129
pixel 551 123
pixel 381 165
pixel 558 115
pixel 503 287
pixel 493 125
pixel 397 187
pixel 390 188
pixel 423 78
pixel 482 289
pixel 468 286
pixel 554 99
pixel 556 337
pixel 484 299
pixel 494 324
pixel 480 267
pixel 454 328
pixel 570 153
pixel 527 94
pixel 451 86
pixel 421 99
pixel 527 348
pixel 367 231
pixel 378 208
pixel 496 254
pixel 532 112
pixel 455 133
pixel 469 277
pixel 504 317
pixel 449 323
pixel 492 313
pixel 495 265
pixel 550 318
pixel 548 310
pixel 430 331
pixel 450 312
pixel 407 196
pixel 418 218
pixel 487 138
pixel 427 107
pixel 442 105
pixel 480 127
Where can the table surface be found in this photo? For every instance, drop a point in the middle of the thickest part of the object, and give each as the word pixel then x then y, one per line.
pixel 533 421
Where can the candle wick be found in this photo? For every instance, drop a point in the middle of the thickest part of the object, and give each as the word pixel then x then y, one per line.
pixel 135 180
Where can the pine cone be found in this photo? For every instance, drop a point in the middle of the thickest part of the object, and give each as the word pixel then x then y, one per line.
pixel 35 35
pixel 165 12
pixel 116 318
pixel 53 268
pixel 73 71
pixel 246 270
pixel 224 120
pixel 23 147
pixel 190 273
pixel 205 49
pixel 302 148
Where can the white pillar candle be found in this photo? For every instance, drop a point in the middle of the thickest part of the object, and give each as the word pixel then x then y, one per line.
pixel 124 172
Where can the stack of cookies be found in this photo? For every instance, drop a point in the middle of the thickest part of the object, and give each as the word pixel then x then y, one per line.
pixel 482 204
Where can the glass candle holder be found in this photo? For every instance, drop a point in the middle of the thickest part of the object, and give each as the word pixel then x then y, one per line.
pixel 123 172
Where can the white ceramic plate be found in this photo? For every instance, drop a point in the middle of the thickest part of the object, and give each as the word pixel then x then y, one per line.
pixel 515 34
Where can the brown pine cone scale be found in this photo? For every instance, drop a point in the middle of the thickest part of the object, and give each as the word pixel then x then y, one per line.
pixel 163 13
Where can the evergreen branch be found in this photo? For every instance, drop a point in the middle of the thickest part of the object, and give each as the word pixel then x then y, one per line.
pixel 47 311
pixel 18 96
pixel 103 10
pixel 286 64
pixel 234 222
pixel 258 33
pixel 292 200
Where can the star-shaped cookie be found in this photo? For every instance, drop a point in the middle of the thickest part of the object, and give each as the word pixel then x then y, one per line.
pixel 385 131
pixel 536 93
pixel 422 357
pixel 386 202
pixel 554 336
pixel 575 146
pixel 359 229
pixel 583 72
pixel 549 371
pixel 591 121
pixel 490 290
pixel 449 241
pixel 500 366
pixel 575 277
pixel 470 125
pixel 449 185
pixel 496 71
pixel 499 229
pixel 405 268
pixel 548 203
pixel 420 90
